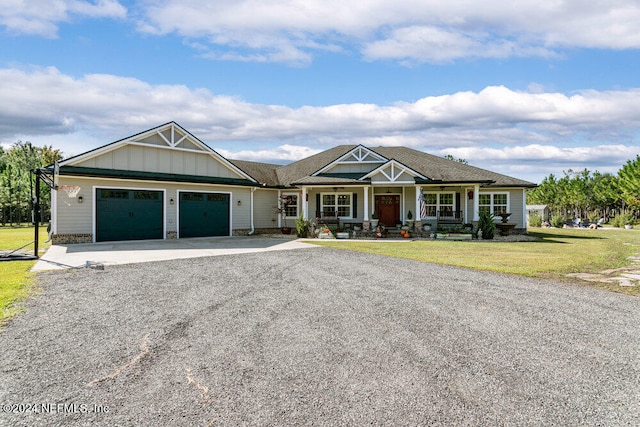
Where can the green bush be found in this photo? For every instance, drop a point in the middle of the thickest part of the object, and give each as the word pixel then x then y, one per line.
pixel 535 219
pixel 302 226
pixel 487 225
pixel 623 219
pixel 557 221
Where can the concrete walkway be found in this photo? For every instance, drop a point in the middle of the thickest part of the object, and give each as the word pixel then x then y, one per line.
pixel 111 253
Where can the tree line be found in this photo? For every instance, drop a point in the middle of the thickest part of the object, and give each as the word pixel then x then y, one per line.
pixel 17 184
pixel 592 196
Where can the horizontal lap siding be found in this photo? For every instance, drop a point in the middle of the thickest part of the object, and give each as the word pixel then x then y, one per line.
pixel 264 209
pixel 77 218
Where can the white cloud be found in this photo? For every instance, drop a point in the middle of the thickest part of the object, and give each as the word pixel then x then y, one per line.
pixel 496 125
pixel 281 154
pixel 41 17
pixel 405 30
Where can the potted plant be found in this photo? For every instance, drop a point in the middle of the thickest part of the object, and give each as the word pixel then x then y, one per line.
pixel 303 227
pixel 410 220
pixel 374 220
pixel 286 201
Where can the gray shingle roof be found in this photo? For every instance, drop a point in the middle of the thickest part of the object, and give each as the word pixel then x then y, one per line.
pixel 437 169
pixel 447 171
pixel 264 173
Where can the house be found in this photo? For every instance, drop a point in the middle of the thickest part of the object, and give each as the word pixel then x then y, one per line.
pixel 164 183
pixel 542 210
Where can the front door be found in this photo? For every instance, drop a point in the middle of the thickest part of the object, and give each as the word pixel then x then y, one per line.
pixel 388 209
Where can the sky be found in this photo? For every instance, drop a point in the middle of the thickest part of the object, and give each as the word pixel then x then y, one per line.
pixel 526 88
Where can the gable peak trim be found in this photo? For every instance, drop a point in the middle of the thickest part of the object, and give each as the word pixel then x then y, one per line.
pixel 358 154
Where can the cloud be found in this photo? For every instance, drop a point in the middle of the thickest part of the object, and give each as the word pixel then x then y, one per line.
pixel 281 154
pixel 409 31
pixel 497 124
pixel 41 17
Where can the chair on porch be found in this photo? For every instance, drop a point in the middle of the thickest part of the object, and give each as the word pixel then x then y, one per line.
pixel 449 216
pixel 327 217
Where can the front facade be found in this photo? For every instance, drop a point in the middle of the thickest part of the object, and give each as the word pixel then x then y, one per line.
pixel 164 183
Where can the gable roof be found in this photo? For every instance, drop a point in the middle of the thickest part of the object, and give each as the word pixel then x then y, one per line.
pixel 314 170
pixel 440 169
pixel 170 136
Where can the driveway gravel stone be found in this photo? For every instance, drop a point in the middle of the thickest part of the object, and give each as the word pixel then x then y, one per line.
pixel 317 337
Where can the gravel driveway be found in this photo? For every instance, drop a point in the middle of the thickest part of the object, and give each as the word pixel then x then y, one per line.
pixel 318 337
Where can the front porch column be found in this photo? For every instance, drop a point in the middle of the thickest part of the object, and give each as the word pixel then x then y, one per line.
pixel 279 209
pixel 305 203
pixel 418 217
pixel 476 202
pixel 366 204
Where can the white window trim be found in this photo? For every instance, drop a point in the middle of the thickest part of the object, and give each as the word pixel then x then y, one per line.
pixel 297 204
pixel 491 205
pixel 336 205
pixel 438 193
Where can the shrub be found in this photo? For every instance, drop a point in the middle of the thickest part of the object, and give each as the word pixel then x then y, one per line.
pixel 557 221
pixel 487 225
pixel 302 226
pixel 623 219
pixel 535 219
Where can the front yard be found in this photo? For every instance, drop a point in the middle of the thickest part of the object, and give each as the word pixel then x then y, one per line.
pixel 558 252
pixel 16 281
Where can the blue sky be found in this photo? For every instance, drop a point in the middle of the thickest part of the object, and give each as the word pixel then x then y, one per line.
pixel 525 90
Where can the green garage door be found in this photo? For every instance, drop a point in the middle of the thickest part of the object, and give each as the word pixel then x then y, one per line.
pixel 204 214
pixel 128 215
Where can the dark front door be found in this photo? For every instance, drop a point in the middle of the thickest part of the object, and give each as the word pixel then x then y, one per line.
pixel 388 209
pixel 204 214
pixel 123 214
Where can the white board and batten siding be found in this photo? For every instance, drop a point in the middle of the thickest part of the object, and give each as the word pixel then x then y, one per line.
pixel 162 160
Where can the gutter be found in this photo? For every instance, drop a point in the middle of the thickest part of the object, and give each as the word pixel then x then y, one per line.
pixel 253 230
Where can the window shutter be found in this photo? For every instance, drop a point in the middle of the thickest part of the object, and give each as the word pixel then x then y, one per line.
pixel 354 203
pixel 318 205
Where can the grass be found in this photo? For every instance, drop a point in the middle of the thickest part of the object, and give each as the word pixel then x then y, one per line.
pixel 16 282
pixel 557 253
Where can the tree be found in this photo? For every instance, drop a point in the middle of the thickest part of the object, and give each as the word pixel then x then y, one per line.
pixel 16 180
pixel 450 157
pixel 629 183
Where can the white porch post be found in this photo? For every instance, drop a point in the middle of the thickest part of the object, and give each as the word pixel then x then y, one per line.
pixel 476 202
pixel 279 205
pixel 366 204
pixel 305 203
pixel 403 207
pixel 418 218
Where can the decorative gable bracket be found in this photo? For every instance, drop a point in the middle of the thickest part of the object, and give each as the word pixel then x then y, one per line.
pixel 393 171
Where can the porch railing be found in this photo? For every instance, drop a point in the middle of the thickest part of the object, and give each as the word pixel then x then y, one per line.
pixel 449 216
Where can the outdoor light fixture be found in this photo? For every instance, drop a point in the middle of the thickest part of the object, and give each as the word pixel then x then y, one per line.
pixel 239 202
pixel 470 195
pixel 171 201
pixel 80 199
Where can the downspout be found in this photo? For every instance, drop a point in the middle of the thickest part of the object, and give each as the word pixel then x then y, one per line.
pixel 253 230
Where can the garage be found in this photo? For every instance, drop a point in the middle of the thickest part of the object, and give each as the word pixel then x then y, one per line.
pixel 124 214
pixel 204 214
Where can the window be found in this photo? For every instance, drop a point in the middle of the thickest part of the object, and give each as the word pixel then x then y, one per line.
pixel 443 202
pixel 495 203
pixel 336 202
pixel 290 205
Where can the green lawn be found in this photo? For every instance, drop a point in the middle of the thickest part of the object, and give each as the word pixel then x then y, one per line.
pixel 559 252
pixel 16 282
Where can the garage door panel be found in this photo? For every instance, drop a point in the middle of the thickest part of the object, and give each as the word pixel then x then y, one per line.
pixel 123 214
pixel 204 214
